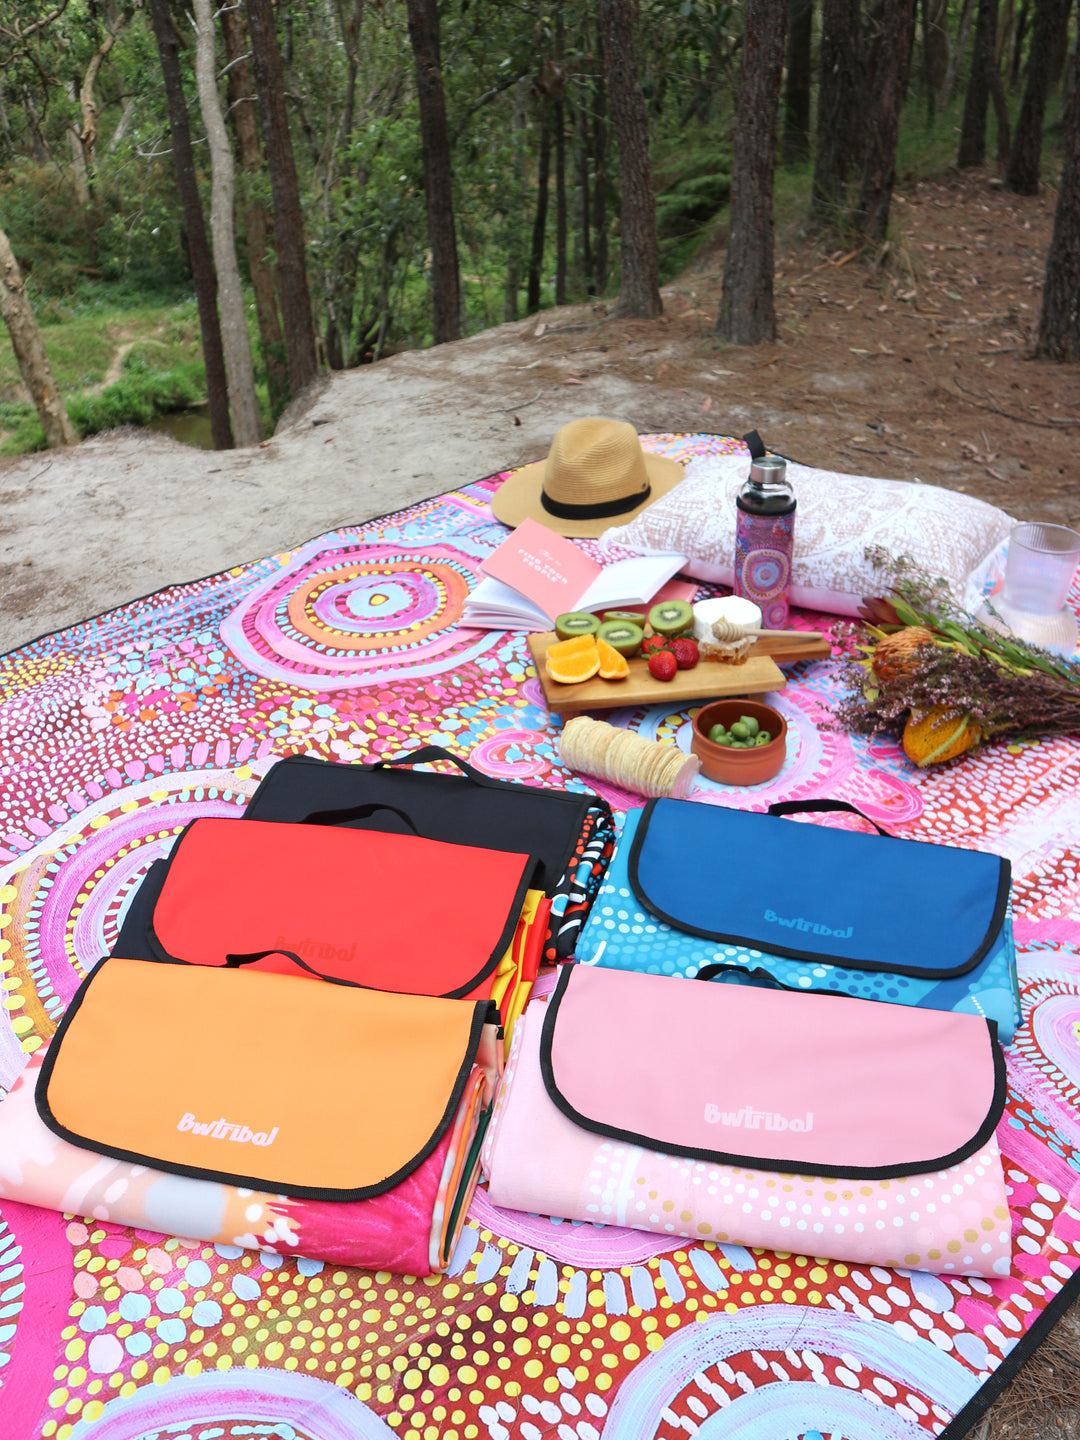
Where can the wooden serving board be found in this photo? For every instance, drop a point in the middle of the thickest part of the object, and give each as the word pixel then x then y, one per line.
pixel 708 680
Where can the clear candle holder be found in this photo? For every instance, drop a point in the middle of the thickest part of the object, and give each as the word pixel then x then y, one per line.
pixel 1039 570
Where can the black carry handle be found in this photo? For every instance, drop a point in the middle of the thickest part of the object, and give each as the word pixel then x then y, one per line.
pixel 754 444
pixel 234 962
pixel 436 752
pixel 756 979
pixel 355 812
pixel 801 807
pixel 760 979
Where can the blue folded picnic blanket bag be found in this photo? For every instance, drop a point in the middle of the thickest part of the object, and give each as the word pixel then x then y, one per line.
pixel 817 908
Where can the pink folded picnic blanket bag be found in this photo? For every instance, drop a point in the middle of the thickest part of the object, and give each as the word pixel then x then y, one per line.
pixel 817 1124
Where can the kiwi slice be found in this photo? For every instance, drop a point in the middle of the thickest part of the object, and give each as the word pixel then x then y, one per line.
pixel 630 616
pixel 623 636
pixel 576 622
pixel 672 617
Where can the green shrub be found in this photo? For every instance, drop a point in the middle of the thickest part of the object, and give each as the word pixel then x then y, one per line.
pixel 135 399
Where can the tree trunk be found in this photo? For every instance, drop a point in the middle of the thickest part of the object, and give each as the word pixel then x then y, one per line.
pixel 600 211
pixel 514 230
pixel 883 121
pixel 247 422
pixel 559 113
pixel 840 108
pixel 972 149
pixel 639 256
pixel 288 216
pixel 438 189
pixel 1016 46
pixel 257 224
pixel 936 42
pixel 30 352
pixel 536 253
pixel 747 315
pixel 87 104
pixel 1059 320
pixel 122 126
pixel 202 269
pixel 583 257
pixel 958 51
pixel 1001 114
pixel 1022 174
pixel 796 145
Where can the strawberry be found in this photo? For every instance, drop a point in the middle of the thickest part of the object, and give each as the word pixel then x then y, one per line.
pixel 662 665
pixel 686 653
pixel 654 643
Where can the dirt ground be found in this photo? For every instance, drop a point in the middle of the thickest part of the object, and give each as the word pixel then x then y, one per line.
pixel 917 367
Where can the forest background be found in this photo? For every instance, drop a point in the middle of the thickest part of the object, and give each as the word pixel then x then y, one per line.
pixel 537 189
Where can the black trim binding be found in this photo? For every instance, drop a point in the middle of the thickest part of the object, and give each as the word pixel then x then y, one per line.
pixel 481 1016
pixel 821 957
pixel 234 959
pixel 731 1157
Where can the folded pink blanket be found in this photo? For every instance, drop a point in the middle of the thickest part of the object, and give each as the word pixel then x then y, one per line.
pixel 953 1221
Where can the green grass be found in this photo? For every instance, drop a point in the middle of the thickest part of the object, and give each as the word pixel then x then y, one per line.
pixel 162 370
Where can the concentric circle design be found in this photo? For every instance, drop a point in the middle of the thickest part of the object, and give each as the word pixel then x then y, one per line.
pixel 765 573
pixel 334 618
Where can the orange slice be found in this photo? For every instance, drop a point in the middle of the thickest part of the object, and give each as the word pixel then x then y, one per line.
pixel 613 666
pixel 571 661
pixel 576 645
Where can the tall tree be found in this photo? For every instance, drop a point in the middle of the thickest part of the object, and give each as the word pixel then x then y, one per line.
pixel 257 223
pixel 202 269
pixel 883 120
pixel 539 231
pixel 600 185
pixel 236 341
pixel 438 188
pixel 1022 172
pixel 972 149
pixel 840 108
pixel 30 353
pixel 1059 319
pixel 639 253
pixel 288 216
pixel 747 315
pixel 796 142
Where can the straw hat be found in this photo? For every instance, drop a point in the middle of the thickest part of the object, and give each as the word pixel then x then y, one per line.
pixel 596 475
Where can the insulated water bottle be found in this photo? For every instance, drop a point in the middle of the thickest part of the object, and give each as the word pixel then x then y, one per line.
pixel 764 539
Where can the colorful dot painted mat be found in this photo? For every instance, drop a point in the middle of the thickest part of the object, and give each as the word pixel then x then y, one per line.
pixel 117 732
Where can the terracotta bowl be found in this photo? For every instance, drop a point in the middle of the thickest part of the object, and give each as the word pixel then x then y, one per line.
pixel 739 767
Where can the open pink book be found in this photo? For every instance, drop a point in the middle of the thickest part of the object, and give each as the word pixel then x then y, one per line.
pixel 535 575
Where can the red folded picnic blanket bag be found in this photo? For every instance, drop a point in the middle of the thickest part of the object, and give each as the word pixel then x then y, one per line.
pixel 389 912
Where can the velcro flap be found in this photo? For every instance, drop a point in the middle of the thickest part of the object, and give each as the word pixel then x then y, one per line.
pixel 261 1080
pixel 814 892
pixel 814 1084
pixel 395 912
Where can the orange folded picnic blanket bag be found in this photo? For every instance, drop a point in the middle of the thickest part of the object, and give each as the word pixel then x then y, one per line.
pixel 392 912
pixel 268 1082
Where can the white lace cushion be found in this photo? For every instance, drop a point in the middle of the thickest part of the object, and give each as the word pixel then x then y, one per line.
pixel 838 516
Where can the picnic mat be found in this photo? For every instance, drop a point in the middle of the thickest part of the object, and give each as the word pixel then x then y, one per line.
pixel 118 731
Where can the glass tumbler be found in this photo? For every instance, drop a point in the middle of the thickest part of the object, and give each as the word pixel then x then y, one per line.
pixel 1039 567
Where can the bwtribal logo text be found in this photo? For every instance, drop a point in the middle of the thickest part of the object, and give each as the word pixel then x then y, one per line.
pixel 226 1130
pixel 798 923
pixel 757 1119
pixel 309 949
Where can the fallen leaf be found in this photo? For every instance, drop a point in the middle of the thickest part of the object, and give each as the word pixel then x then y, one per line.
pixel 855 351
pixel 573 382
pixel 707 406
pixel 541 328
